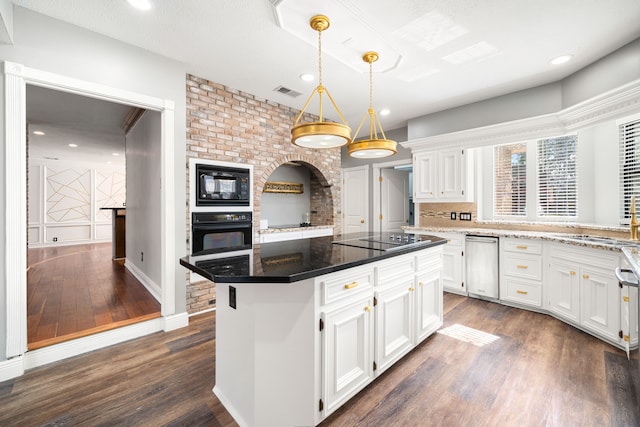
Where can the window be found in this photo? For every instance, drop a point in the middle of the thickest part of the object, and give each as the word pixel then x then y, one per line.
pixel 557 178
pixel 629 166
pixel 510 178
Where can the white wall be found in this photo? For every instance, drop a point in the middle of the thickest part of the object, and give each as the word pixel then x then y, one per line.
pixel 285 208
pixel 65 200
pixel 49 45
pixel 143 188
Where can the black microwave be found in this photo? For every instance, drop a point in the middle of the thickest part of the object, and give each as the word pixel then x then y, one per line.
pixel 222 186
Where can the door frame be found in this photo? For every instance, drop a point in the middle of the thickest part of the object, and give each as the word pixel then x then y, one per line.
pixel 16 77
pixel 376 188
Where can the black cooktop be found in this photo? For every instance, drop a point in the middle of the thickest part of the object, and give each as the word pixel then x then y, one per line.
pixel 385 241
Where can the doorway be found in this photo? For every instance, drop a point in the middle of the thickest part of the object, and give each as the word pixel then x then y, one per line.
pixel 76 175
pixel 16 77
pixel 392 195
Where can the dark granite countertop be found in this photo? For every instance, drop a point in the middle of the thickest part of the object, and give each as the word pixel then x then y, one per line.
pixel 294 260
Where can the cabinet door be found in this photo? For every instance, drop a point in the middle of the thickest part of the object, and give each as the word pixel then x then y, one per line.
pixel 564 290
pixel 348 351
pixel 394 323
pixel 425 178
pixel 600 302
pixel 452 268
pixel 428 296
pixel 629 314
pixel 450 174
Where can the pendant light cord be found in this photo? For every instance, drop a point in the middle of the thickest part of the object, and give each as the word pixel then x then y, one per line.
pixel 319 58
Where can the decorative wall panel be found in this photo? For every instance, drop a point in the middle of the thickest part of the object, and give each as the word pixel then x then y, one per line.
pixel 110 192
pixel 68 195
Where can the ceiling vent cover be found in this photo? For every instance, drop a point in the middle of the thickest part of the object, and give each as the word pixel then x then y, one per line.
pixel 287 91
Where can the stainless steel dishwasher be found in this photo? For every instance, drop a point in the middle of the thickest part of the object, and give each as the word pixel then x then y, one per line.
pixel 481 254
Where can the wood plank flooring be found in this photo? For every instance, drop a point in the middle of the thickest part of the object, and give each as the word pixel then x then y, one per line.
pixel 540 372
pixel 74 291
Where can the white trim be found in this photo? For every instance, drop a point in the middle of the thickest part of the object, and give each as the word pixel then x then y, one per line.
pixel 176 321
pixel 54 353
pixel 146 281
pixel 16 77
pixel 11 368
pixel 624 100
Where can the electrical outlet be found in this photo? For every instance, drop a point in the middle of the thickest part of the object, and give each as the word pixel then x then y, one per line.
pixel 55 239
pixel 141 256
pixel 453 215
pixel 232 297
pixel 465 216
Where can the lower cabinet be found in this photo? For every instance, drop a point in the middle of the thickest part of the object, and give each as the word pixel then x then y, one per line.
pixel 453 277
pixel 365 330
pixel 582 289
pixel 348 356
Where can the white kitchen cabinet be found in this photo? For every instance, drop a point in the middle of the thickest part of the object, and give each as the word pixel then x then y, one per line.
pixel 394 323
pixel 453 270
pixel 521 271
pixel 441 176
pixel 428 303
pixel 348 350
pixel 583 290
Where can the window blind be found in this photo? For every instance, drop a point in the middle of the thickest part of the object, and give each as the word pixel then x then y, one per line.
pixel 629 135
pixel 510 180
pixel 557 177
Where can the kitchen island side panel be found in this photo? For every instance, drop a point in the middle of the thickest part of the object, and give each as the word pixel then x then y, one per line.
pixel 267 357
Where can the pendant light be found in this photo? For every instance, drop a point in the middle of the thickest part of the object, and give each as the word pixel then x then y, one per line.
pixel 374 147
pixel 320 134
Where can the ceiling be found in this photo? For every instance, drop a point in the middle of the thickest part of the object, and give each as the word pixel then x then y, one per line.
pixel 434 54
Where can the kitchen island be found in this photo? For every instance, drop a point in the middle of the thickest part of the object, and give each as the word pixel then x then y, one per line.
pixel 313 322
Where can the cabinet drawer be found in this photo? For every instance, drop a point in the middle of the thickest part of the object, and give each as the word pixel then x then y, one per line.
pixel 340 285
pixel 529 267
pixel 394 269
pixel 521 246
pixel 522 291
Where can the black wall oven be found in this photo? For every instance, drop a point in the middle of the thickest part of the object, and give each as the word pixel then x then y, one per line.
pixel 222 186
pixel 216 232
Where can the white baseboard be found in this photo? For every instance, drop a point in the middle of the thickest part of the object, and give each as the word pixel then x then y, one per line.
pixel 146 281
pixel 11 368
pixel 54 353
pixel 176 321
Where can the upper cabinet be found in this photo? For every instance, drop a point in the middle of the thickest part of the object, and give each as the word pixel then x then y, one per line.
pixel 441 176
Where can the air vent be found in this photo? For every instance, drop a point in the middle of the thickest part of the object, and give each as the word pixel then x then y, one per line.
pixel 287 91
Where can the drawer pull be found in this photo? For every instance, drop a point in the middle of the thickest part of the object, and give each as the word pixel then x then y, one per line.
pixel 351 285
pixel 367 309
pixel 521 247
pixel 573 273
pixel 522 292
pixel 412 289
pixel 585 276
pixel 421 283
pixel 626 299
pixel 523 266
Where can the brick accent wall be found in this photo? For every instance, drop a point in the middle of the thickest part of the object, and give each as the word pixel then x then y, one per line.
pixel 233 126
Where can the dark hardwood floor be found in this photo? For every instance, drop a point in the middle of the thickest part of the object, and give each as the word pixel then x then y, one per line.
pixel 74 291
pixel 539 372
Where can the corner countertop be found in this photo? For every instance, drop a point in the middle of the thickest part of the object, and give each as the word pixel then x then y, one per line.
pixel 295 260
pixel 292 227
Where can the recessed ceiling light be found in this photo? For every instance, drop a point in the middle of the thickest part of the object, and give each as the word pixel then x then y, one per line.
pixel 73 145
pixel 385 112
pixel 140 4
pixel 38 132
pixel 115 154
pixel 306 77
pixel 561 59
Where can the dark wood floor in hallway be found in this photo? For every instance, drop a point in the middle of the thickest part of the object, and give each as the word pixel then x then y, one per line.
pixel 539 372
pixel 74 291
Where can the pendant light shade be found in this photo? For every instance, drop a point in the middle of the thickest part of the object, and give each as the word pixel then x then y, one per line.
pixel 374 147
pixel 320 134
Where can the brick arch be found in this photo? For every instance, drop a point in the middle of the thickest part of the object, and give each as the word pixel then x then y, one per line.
pixel 325 190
